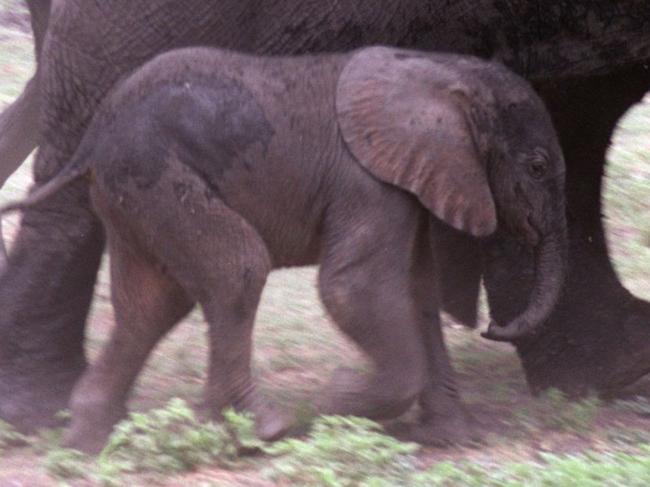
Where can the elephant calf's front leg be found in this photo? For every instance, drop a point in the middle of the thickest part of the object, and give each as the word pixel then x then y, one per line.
pixel 364 284
pixel 443 419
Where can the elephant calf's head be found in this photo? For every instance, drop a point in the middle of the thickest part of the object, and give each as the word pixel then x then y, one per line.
pixel 473 142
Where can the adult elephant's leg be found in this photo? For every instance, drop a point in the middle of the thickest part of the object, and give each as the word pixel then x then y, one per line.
pixel 39 13
pixel 45 294
pixel 19 129
pixel 18 136
pixel 47 287
pixel 599 336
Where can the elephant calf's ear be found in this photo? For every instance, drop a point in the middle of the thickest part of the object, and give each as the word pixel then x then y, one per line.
pixel 399 118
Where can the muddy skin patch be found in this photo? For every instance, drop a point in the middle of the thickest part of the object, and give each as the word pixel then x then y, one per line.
pixel 404 56
pixel 209 125
pixel 128 150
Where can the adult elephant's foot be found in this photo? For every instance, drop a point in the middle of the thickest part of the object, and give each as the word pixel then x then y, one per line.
pixel 598 338
pixel 45 293
pixel 31 397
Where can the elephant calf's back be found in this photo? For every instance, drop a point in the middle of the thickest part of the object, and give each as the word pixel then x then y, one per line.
pixel 247 149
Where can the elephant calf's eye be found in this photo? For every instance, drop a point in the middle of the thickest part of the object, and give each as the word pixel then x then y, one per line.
pixel 537 168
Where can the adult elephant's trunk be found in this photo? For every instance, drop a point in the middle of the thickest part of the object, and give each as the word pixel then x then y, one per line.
pixel 550 269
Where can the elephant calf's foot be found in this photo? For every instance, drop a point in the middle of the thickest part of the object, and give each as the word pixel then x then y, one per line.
pixel 439 431
pixel 271 422
pixel 351 392
pixel 89 431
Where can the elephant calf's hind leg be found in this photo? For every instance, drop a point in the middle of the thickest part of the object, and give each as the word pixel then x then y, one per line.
pixel 231 282
pixel 147 305
pixel 220 260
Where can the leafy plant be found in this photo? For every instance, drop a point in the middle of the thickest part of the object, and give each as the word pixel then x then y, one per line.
pixel 64 463
pixel 166 440
pixel 241 429
pixel 639 405
pixel 343 451
pixel 554 410
pixel 170 439
pixel 628 436
pixel 10 437
pixel 572 416
pixel 590 470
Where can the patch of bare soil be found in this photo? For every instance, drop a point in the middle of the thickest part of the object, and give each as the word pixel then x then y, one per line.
pixel 22 470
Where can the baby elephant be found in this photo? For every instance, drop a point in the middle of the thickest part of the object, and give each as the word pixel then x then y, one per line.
pixel 210 168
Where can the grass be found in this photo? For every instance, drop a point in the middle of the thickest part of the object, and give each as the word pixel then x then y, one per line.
pixel 543 441
pixel 338 452
pixel 343 452
pixel 589 469
pixel 555 412
pixel 156 444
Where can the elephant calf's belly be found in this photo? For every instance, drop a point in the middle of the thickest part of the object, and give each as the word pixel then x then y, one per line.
pixel 290 231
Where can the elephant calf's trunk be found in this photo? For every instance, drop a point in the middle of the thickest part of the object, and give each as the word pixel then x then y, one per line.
pixel 549 279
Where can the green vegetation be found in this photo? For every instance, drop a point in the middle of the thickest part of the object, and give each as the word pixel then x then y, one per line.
pixel 638 405
pixel 64 463
pixel 161 441
pixel 586 470
pixel 339 452
pixel 9 437
pixel 554 411
pixel 165 440
pixel 344 452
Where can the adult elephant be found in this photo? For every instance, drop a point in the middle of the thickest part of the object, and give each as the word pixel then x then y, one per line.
pixel 586 58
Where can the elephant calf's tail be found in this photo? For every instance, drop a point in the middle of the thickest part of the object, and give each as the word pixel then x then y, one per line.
pixel 48 189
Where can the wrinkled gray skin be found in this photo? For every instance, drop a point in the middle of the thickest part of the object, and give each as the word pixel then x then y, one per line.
pixel 587 59
pixel 211 168
pixel 18 131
